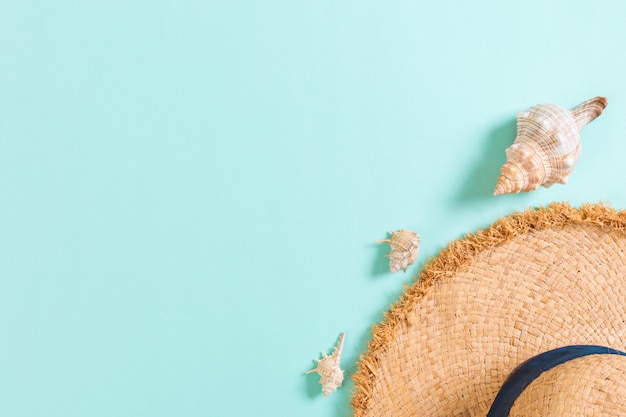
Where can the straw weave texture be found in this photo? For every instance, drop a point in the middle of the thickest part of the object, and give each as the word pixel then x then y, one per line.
pixel 593 385
pixel 531 282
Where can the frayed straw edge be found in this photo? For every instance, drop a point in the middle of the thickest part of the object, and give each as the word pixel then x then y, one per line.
pixel 457 255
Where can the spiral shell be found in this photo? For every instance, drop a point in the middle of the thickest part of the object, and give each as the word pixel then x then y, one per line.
pixel 404 249
pixel 331 375
pixel 547 146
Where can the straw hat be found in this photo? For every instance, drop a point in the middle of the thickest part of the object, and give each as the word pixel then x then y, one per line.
pixel 530 283
pixel 572 380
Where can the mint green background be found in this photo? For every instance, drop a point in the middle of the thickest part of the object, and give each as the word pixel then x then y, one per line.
pixel 192 191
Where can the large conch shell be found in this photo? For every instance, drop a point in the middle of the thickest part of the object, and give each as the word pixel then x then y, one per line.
pixel 331 375
pixel 404 249
pixel 547 146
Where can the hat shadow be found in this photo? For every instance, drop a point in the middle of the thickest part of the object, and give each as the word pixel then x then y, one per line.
pixel 481 182
pixel 343 407
pixel 347 390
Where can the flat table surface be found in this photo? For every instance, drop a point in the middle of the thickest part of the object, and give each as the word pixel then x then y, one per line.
pixel 192 191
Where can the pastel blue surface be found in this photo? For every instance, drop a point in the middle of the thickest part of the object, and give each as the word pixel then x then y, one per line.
pixel 192 191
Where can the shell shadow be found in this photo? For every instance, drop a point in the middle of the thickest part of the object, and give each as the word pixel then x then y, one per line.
pixel 344 407
pixel 313 388
pixel 381 262
pixel 482 181
pixel 346 392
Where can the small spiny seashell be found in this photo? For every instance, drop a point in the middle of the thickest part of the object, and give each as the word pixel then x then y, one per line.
pixel 404 249
pixel 331 375
pixel 547 146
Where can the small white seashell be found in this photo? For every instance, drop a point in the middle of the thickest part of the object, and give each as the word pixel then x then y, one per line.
pixel 404 249
pixel 331 375
pixel 547 146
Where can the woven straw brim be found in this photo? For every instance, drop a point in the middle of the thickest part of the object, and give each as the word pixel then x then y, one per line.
pixel 531 282
pixel 593 385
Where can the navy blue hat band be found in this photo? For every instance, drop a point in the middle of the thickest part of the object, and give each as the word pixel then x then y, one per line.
pixel 528 371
